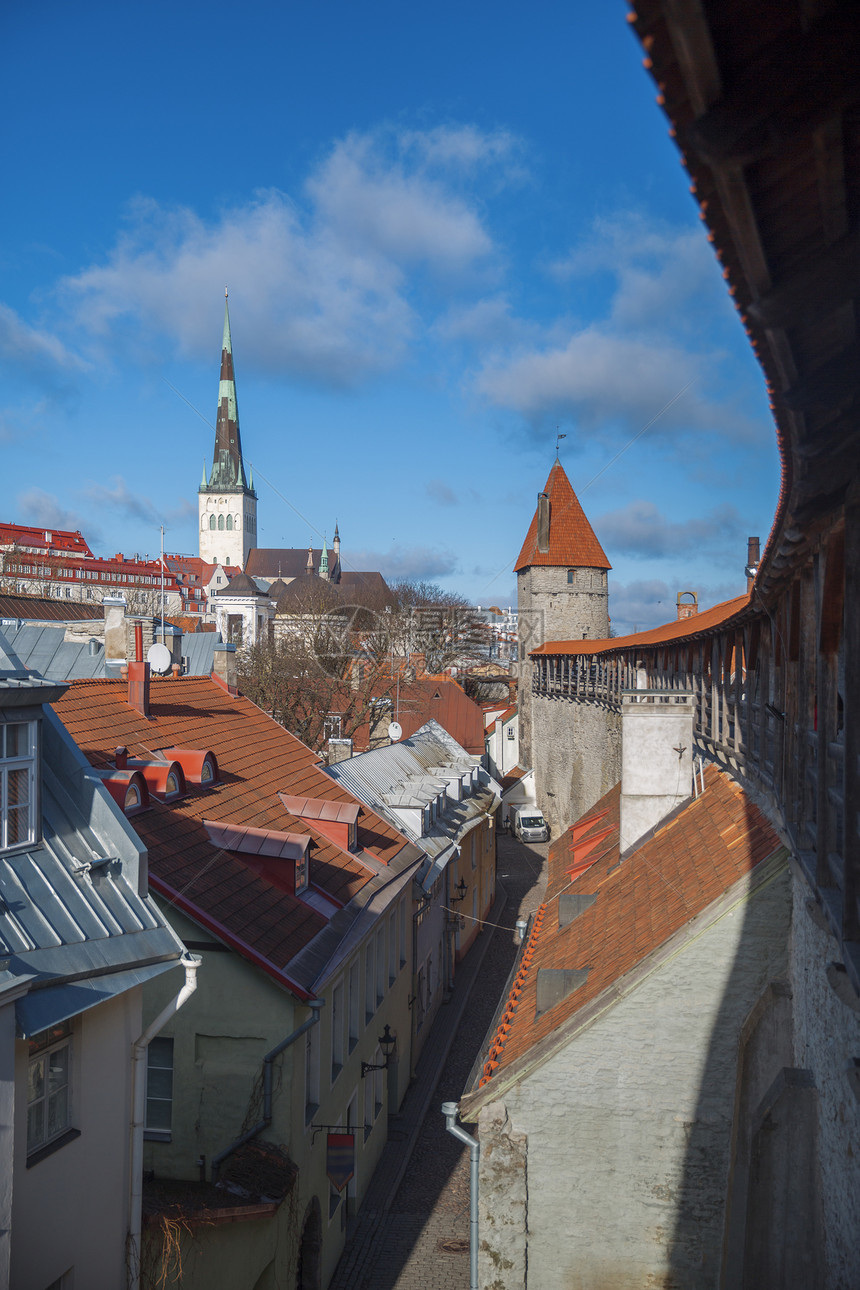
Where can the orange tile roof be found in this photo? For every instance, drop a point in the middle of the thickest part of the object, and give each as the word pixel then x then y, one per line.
pixel 572 541
pixel 641 902
pixel 237 896
pixel 675 631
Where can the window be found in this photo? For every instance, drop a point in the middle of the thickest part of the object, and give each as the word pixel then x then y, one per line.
pixel 511 732
pixel 403 933
pixel 369 984
pixel 221 522
pixel 159 1088
pixel 211 521
pixel 230 523
pixel 312 1073
pixel 392 948
pixel 48 1091
pixel 571 577
pixel 353 1005
pixel 380 965
pixel 17 784
pixel 336 1031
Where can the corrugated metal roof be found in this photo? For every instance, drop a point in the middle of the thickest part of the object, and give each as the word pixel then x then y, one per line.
pixel 72 921
pixel 385 777
pixel 41 648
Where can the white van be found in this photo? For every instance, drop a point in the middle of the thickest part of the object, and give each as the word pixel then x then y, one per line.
pixel 529 825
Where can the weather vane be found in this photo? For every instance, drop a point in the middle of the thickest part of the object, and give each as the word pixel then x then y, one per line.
pixel 558 439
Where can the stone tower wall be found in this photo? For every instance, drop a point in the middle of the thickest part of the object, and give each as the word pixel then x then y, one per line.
pixel 550 607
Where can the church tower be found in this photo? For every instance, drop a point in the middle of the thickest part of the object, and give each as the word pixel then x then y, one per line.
pixel 562 589
pixel 227 501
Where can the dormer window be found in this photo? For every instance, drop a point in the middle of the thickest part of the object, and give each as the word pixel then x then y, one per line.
pixel 18 763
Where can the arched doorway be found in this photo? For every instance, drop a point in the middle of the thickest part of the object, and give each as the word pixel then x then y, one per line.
pixel 308 1267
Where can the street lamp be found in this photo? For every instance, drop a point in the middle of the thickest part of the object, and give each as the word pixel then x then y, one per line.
pixel 386 1043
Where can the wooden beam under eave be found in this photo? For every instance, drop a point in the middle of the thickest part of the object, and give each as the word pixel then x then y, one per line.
pixel 795 85
pixel 691 40
pixel 835 384
pixel 828 280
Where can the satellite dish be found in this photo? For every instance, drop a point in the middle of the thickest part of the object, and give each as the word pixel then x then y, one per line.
pixel 158 657
pixel 395 730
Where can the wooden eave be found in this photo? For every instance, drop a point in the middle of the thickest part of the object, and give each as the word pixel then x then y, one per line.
pixel 763 98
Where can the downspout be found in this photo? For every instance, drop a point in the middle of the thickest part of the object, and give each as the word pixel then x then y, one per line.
pixel 315 1005
pixel 450 1110
pixel 191 963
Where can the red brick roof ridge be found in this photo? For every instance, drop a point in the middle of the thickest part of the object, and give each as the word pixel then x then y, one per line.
pixel 572 540
pixel 503 1029
pixel 679 629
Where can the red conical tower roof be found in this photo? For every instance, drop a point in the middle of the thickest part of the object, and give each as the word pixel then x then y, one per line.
pixel 572 542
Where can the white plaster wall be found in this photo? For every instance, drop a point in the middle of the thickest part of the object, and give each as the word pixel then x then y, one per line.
pixel 71 1209
pixel 827 1039
pixel 216 545
pixel 632 1121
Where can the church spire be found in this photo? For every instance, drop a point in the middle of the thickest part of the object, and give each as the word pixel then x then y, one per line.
pixel 324 561
pixel 228 472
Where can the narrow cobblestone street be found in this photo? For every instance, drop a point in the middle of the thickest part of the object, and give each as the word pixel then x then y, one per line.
pixel 417 1236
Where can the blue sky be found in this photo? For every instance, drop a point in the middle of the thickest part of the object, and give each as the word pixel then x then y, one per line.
pixel 449 231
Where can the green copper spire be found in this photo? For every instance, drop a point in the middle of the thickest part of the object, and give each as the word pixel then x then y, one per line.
pixel 324 560
pixel 228 472
pixel 203 480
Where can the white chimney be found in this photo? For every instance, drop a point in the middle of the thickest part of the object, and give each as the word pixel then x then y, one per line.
pixel 656 758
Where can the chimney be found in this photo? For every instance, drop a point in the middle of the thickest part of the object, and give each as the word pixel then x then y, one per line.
pixel 753 558
pixel 138 676
pixel 543 510
pixel 656 758
pixel 687 608
pixel 115 641
pixel 138 687
pixel 224 665
pixel 339 750
pixel 120 757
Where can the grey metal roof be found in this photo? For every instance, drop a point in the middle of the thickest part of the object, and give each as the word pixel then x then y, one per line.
pixel 385 778
pixel 41 648
pixel 74 926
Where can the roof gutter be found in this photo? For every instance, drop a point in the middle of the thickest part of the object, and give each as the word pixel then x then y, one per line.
pixel 451 1110
pixel 191 963
pixel 234 942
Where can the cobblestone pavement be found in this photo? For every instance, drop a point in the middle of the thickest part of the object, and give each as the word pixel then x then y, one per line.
pixel 415 1235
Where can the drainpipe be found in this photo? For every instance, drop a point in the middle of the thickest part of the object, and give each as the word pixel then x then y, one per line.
pixel 191 963
pixel 315 1005
pixel 450 1110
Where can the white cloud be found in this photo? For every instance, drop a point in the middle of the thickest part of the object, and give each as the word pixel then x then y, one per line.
pixel 321 286
pixel 117 497
pixel 641 605
pixel 665 313
pixel 598 377
pixel 370 201
pixel 38 355
pixel 418 562
pixel 44 510
pixel 441 492
pixel 640 530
